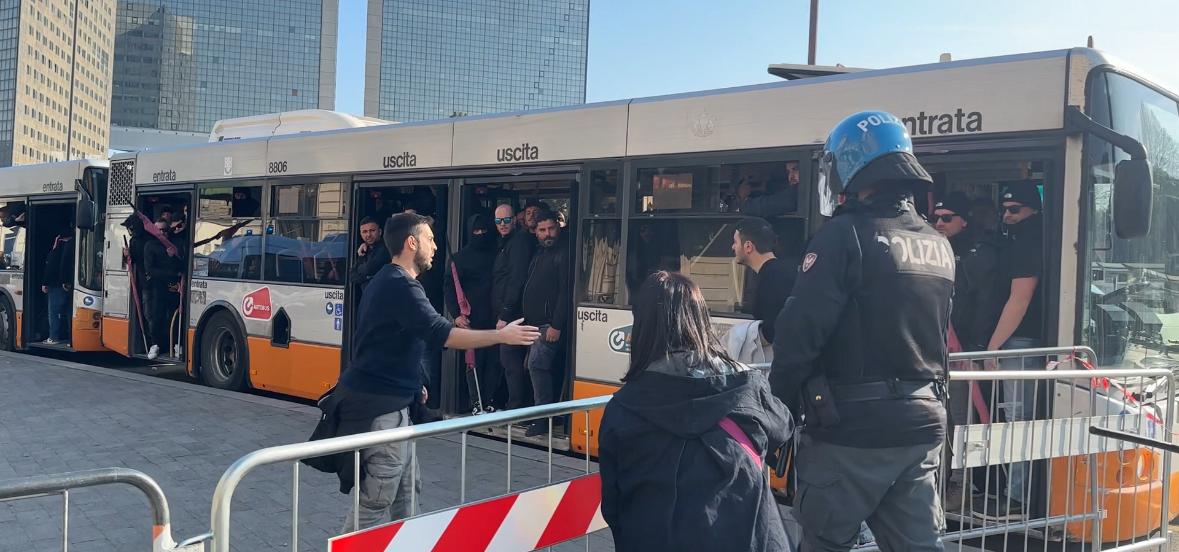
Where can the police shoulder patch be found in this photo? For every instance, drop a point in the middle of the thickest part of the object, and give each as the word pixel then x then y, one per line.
pixel 809 261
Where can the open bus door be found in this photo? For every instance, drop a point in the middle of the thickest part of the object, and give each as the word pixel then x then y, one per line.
pixel 118 317
pixel 49 220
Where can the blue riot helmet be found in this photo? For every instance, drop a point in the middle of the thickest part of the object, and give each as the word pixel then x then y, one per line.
pixel 867 148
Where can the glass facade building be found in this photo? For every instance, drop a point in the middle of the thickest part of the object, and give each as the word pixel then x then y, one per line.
pixel 431 59
pixel 55 79
pixel 181 65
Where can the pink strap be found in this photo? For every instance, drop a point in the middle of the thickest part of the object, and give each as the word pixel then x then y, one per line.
pixel 742 439
pixel 464 309
pixel 151 229
pixel 976 396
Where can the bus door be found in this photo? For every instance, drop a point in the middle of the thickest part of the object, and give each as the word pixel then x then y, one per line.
pixel 159 305
pixel 376 201
pixel 558 191
pixel 49 279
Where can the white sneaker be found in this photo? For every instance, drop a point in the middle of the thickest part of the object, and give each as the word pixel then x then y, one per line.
pixel 153 352
pixel 176 351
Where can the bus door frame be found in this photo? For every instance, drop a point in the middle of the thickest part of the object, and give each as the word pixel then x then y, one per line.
pixel 32 271
pixel 190 189
pixel 576 177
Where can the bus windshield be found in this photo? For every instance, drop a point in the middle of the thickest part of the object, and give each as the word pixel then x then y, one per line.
pixel 1131 310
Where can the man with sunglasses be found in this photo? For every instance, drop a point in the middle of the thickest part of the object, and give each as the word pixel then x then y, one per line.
pixel 974 314
pixel 1020 326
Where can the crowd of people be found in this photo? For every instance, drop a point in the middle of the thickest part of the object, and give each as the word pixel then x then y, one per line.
pixel 857 332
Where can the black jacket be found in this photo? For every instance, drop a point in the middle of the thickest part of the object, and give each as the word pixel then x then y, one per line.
pixel 870 307
pixel 474 263
pixel 976 304
pixel 672 479
pixel 546 293
pixel 159 268
pixel 59 265
pixel 364 268
pixel 345 411
pixel 510 272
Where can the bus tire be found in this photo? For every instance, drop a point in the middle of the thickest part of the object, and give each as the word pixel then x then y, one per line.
pixel 224 357
pixel 7 325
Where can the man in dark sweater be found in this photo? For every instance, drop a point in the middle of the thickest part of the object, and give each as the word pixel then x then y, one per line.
pixel 396 326
pixel 371 256
pixel 57 284
pixel 753 245
pixel 546 306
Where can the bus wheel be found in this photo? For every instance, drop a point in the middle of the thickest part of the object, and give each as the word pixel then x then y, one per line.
pixel 224 360
pixel 7 326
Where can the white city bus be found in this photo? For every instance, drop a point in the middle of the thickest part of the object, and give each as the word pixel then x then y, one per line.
pixel 37 204
pixel 647 184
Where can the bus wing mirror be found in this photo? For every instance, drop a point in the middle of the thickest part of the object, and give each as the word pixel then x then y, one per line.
pixel 1133 198
pixel 86 215
pixel 1133 193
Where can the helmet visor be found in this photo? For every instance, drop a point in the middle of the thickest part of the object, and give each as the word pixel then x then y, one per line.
pixel 830 185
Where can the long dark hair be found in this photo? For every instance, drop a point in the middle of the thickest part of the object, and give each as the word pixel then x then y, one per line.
pixel 670 315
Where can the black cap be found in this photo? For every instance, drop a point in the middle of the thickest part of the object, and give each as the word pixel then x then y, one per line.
pixel 956 202
pixel 1024 193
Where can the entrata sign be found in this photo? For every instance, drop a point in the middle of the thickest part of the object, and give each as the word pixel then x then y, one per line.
pixel 256 305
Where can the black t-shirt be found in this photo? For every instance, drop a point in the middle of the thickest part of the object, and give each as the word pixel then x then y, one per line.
pixel 774 282
pixel 1023 257
pixel 396 326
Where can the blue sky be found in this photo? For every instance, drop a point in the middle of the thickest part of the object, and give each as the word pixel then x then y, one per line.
pixel 648 47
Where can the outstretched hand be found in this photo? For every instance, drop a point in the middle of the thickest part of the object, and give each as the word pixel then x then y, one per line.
pixel 516 333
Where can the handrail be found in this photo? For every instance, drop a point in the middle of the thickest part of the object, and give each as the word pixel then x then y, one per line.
pixel 223 495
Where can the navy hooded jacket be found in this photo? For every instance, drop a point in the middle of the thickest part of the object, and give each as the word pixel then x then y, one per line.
pixel 672 478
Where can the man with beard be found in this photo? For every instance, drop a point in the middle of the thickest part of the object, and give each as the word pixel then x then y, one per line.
pixel 396 327
pixel 467 287
pixel 371 256
pixel 546 306
pixel 510 274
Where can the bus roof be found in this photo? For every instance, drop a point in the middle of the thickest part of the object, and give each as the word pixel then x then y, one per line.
pixel 44 178
pixel 1018 93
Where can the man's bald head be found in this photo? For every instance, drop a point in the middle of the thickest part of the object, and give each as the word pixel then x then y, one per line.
pixel 505 219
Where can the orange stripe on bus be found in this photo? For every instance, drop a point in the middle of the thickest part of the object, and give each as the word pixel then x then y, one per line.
pixel 115 334
pixel 19 326
pixel 302 369
pixel 86 330
pixel 582 435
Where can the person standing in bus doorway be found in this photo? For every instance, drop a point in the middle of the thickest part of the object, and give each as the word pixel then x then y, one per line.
pixel 58 284
pixel 162 271
pixel 683 443
pixel 754 241
pixel 467 286
pixel 1020 326
pixel 860 347
pixel 396 327
pixel 371 256
pixel 546 305
pixel 974 315
pixel 511 272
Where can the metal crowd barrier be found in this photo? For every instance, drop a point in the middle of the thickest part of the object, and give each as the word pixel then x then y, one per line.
pixel 62 483
pixel 1020 444
pixel 293 453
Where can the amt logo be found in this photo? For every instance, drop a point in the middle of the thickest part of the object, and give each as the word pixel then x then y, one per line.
pixel 620 340
pixel 256 304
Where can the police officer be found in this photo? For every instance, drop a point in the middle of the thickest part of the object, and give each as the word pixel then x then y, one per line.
pixel 860 347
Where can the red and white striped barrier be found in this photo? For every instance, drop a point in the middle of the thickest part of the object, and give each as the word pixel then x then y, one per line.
pixel 514 523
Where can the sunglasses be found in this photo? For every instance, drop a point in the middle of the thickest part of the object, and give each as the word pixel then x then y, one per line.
pixel 1013 209
pixel 503 220
pixel 944 218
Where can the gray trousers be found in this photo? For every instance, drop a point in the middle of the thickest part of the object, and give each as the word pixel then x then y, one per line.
pixel 388 474
pixel 893 489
